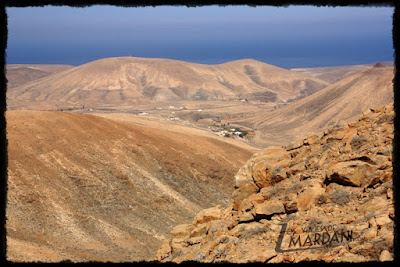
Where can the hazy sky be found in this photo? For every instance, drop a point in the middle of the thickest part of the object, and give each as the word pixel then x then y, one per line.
pixel 118 28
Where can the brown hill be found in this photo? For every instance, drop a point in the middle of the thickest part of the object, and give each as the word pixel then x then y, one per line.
pixel 335 74
pixel 129 80
pixel 344 100
pixel 82 187
pixel 19 74
pixel 329 199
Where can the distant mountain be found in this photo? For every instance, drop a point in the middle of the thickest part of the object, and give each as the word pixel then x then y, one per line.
pixel 129 80
pixel 19 74
pixel 86 188
pixel 335 74
pixel 343 100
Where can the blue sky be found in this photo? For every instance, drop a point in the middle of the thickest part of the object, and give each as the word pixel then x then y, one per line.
pixel 102 31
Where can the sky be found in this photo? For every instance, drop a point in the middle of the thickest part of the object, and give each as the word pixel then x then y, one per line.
pixel 294 36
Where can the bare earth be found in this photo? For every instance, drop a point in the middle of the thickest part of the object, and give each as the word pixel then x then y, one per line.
pixel 343 100
pixel 19 74
pixel 83 188
pixel 132 81
pixel 141 149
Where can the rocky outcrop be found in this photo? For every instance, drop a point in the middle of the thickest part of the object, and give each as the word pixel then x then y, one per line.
pixel 327 198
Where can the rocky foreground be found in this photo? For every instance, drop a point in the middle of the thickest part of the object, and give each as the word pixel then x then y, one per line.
pixel 328 198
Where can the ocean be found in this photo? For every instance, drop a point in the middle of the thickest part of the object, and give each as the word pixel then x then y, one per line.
pixel 285 54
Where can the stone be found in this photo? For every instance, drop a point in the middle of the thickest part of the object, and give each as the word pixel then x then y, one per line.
pixel 269 208
pixel 266 174
pixel 389 193
pixel 290 203
pixel 294 145
pixel 246 216
pixel 244 186
pixel 164 251
pixel 369 234
pixel 351 173
pixel 307 198
pixel 199 230
pixel 385 256
pixel 217 226
pixel 311 140
pixel 382 220
pixel 181 230
pixel 204 216
pixel 350 191
pixel 350 257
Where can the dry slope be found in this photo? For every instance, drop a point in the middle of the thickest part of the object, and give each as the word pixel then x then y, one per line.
pixel 335 74
pixel 19 74
pixel 344 100
pixel 329 198
pixel 129 80
pixel 81 187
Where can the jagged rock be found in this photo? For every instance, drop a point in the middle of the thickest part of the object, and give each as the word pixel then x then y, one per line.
pixel 290 203
pixel 382 220
pixel 164 251
pixel 244 186
pixel 266 174
pixel 207 215
pixel 181 230
pixel 341 178
pixel 307 198
pixel 352 173
pixel 269 208
pixel 385 256
pixel 389 193
pixel 199 230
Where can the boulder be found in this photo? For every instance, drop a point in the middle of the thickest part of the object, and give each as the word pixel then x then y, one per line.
pixel 199 230
pixel 269 208
pixel 164 251
pixel 307 198
pixel 263 169
pixel 350 173
pixel 385 256
pixel 181 230
pixel 290 203
pixel 266 174
pixel 244 186
pixel 206 215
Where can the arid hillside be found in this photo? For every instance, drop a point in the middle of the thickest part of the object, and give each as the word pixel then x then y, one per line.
pixel 344 100
pixel 328 198
pixel 129 81
pixel 19 74
pixel 86 188
pixel 335 74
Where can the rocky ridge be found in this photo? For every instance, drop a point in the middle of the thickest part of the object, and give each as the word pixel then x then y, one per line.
pixel 327 198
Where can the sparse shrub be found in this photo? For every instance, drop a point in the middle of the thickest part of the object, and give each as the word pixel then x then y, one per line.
pixel 341 228
pixel 321 199
pixel 382 189
pixel 294 188
pixel 314 222
pixel 218 253
pixel 224 239
pixel 274 191
pixel 385 119
pixel 340 197
pixel 178 253
pixel 358 141
pixel 247 233
pixel 199 257
pixel 369 216
pixel 380 245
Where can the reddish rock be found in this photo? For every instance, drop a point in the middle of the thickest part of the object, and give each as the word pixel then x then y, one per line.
pixel 352 173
